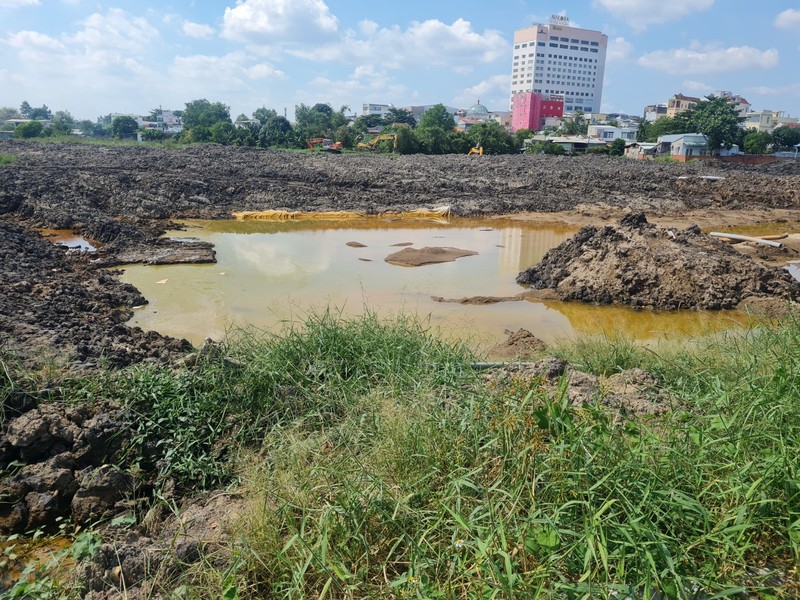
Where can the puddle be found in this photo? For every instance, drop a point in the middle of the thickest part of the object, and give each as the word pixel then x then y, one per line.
pixel 269 273
pixel 65 237
pixel 47 554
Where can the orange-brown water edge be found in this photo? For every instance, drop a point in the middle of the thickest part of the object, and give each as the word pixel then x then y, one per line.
pixel 270 273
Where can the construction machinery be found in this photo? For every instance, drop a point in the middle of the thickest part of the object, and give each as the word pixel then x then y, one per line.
pixel 373 143
pixel 476 150
pixel 324 144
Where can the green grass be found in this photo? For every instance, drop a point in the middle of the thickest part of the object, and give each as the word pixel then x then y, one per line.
pixel 375 463
pixel 7 159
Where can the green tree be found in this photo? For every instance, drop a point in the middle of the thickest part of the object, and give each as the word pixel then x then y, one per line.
pixel 578 125
pixel 651 131
pixel 520 135
pixel 275 132
pixel 617 147
pixel 124 127
pixel 91 129
pixel 756 142
pixel 400 115
pixel 264 114
pixel 62 123
pixel 153 135
pixel 202 113
pixel 345 135
pixel 42 113
pixel 437 117
pixel 365 122
pixel 493 137
pixel 339 118
pixel 433 131
pixel 407 142
pixel 30 129
pixel 786 138
pixel 7 112
pixel 312 122
pixel 717 119
pixel 553 149
pixel 222 132
pixel 25 109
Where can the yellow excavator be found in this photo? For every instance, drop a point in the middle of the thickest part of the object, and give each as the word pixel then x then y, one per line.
pixel 476 150
pixel 373 143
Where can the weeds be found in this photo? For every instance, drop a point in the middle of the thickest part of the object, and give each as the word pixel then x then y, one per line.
pixel 7 159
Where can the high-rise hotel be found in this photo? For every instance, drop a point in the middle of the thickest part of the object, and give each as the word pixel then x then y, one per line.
pixel 560 61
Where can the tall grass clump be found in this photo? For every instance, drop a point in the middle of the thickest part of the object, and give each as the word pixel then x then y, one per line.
pixel 7 159
pixel 187 423
pixel 512 491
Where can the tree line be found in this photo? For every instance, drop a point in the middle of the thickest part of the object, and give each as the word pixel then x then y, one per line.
pixel 210 122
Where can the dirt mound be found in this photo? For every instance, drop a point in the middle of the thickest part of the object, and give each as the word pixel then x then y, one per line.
pixel 641 265
pixel 520 344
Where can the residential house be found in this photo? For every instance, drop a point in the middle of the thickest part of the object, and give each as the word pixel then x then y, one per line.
pixel 641 150
pixel 609 133
pixel 682 146
pixel 680 103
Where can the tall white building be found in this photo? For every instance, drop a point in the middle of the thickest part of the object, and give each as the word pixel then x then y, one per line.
pixel 560 60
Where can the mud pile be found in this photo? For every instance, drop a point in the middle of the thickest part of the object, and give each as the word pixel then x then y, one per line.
pixel 641 265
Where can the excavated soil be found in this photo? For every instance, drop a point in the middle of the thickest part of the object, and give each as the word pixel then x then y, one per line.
pixel 66 305
pixel 122 199
pixel 642 265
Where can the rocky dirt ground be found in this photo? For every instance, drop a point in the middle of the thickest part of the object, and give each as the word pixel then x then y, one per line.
pixel 67 306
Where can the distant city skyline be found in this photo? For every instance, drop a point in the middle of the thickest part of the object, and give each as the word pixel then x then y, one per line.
pixel 95 58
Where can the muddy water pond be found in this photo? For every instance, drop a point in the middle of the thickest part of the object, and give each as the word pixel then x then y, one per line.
pixel 270 273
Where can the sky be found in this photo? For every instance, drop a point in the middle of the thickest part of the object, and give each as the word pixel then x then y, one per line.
pixel 95 57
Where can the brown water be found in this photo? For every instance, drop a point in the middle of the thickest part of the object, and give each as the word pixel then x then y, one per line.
pixel 269 273
pixel 65 237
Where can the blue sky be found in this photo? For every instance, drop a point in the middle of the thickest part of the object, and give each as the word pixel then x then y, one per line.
pixel 94 57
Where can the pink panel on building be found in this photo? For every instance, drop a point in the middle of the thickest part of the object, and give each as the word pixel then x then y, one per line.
pixel 528 110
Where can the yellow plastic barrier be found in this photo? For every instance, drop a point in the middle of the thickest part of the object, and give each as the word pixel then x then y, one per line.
pixel 441 212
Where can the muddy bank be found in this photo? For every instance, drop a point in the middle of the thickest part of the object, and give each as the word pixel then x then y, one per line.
pixel 57 306
pixel 641 265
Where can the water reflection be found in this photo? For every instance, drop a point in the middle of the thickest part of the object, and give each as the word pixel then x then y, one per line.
pixel 270 272
pixel 65 237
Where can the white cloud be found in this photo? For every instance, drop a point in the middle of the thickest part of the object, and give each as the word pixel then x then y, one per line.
pixel 640 14
pixel 493 90
pixel 116 30
pixel 275 21
pixel 619 50
pixel 780 91
pixel 365 81
pixel 424 44
pixel 200 31
pixel 32 41
pixel 700 60
pixel 264 71
pixel 18 3
pixel 696 86
pixel 788 19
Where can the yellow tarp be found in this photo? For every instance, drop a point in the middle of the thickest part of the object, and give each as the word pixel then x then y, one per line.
pixel 440 212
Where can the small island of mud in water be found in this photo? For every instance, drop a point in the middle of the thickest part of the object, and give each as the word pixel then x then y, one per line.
pixel 418 257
